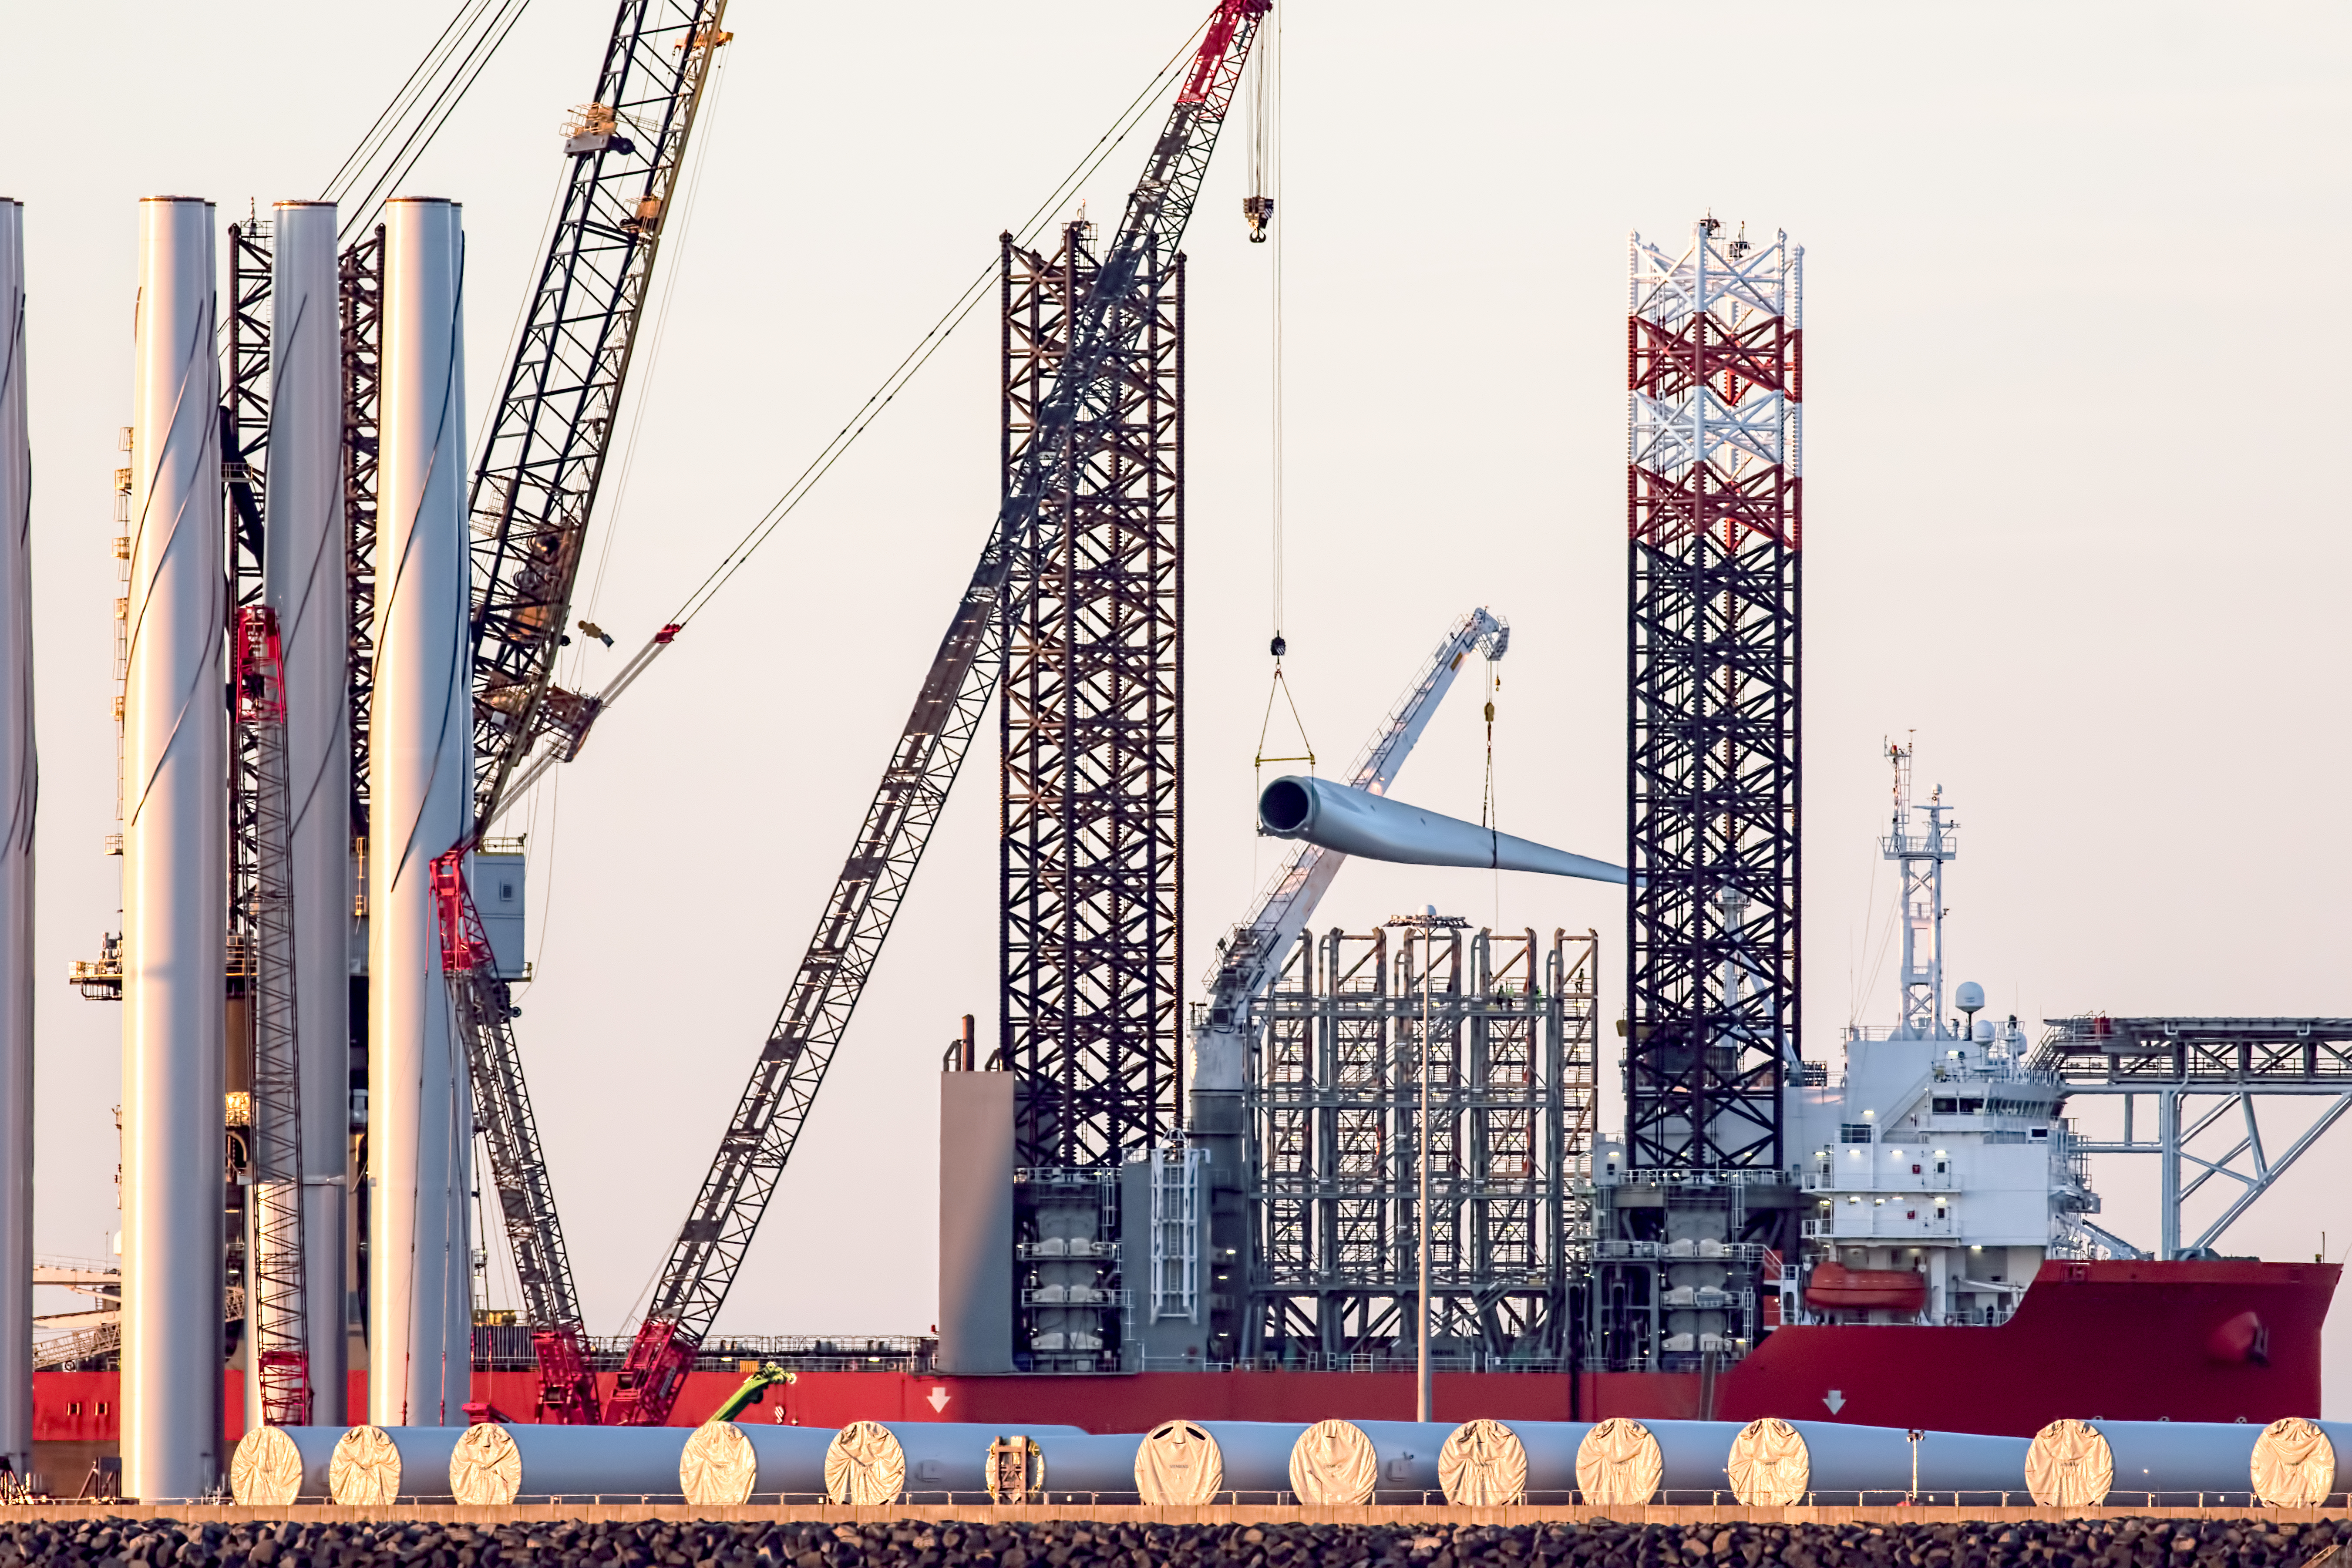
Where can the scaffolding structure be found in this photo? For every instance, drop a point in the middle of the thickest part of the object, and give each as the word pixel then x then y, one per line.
pixel 1334 1107
pixel 1092 796
pixel 245 451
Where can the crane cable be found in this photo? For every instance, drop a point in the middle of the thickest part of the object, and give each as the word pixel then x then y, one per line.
pixel 867 412
pixel 422 105
pixel 1490 813
pixel 1257 208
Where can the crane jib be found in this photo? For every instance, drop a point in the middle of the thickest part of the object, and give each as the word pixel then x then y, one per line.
pixel 947 715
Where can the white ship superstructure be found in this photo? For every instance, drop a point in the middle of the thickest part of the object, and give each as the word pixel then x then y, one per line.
pixel 1938 1155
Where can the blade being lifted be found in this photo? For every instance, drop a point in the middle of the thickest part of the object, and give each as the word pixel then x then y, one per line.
pixel 1356 822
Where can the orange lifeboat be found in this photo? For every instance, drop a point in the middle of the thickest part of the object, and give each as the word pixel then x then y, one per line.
pixel 1834 1287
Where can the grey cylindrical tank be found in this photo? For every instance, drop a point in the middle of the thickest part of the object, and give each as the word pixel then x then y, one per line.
pixel 2302 1463
pixel 1536 1460
pixel 1094 1467
pixel 726 1463
pixel 1185 1463
pixel 936 1459
pixel 1695 1458
pixel 275 1466
pixel 1847 1463
pixel 494 1464
pixel 2185 1458
pixel 374 1467
pixel 1405 1455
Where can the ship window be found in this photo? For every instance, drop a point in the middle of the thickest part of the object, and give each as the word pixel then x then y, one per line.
pixel 1948 1107
pixel 2039 1132
pixel 1971 1107
pixel 1854 1132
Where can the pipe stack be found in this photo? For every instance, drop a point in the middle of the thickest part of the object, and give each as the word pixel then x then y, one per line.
pixel 19 777
pixel 175 870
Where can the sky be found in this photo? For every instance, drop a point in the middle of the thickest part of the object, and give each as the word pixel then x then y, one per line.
pixel 2055 257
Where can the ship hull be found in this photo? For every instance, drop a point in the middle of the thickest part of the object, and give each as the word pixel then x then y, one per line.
pixel 2138 1341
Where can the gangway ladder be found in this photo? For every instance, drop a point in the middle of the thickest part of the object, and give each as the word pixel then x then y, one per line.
pixel 1177 1175
pixel 273 1208
pixel 484 1015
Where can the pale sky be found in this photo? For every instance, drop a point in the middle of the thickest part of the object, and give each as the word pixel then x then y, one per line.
pixel 2057 258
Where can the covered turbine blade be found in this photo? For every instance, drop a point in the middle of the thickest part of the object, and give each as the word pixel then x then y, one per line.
pixel 1355 822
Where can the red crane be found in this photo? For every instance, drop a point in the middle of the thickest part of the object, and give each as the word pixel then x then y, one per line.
pixel 925 760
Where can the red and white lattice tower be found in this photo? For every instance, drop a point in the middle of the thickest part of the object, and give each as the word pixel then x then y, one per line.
pixel 1715 493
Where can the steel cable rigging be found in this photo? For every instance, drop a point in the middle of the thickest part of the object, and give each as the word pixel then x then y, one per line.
pixel 932 340
pixel 419 110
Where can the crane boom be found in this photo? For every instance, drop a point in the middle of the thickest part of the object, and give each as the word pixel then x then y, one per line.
pixel 1252 954
pixel 545 454
pixel 924 761
pixel 531 500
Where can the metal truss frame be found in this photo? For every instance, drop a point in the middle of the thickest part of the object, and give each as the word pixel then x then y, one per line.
pixel 544 457
pixel 245 455
pixel 274 1196
pixel 362 286
pixel 1714 520
pixel 1090 848
pixel 924 759
pixel 1091 853
pixel 1333 1177
pixel 2231 1062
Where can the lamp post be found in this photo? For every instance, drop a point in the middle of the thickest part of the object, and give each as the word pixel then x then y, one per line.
pixel 1429 922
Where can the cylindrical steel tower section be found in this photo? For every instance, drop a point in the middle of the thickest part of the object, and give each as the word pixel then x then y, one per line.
pixel 175 870
pixel 303 568
pixel 17 774
pixel 420 780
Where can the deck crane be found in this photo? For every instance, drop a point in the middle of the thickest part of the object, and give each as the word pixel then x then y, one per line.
pixel 1250 956
pixel 532 499
pixel 925 759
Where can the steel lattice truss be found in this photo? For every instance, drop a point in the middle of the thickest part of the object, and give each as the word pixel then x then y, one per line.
pixel 361 287
pixel 245 451
pixel 1714 517
pixel 925 759
pixel 1092 799
pixel 1334 1111
pixel 273 1221
pixel 545 454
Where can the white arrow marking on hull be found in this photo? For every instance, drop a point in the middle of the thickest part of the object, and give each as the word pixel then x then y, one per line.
pixel 938 1400
pixel 1836 1401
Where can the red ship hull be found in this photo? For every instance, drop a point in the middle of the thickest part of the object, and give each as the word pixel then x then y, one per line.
pixel 2186 1341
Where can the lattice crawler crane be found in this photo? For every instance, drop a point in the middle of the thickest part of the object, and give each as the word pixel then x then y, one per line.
pixel 930 750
